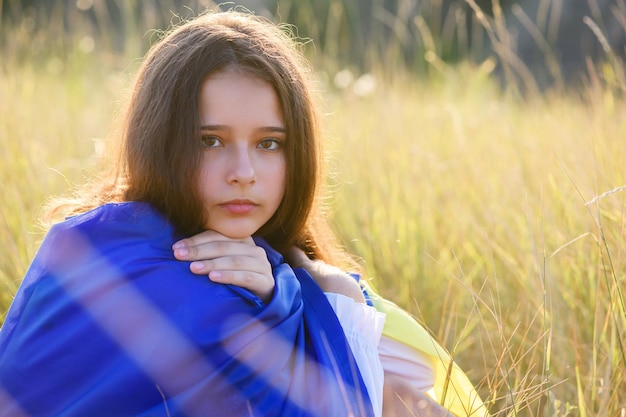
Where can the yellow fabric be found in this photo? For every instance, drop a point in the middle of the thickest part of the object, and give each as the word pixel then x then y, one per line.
pixel 453 390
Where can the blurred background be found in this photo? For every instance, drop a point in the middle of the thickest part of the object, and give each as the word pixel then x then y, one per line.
pixel 477 164
pixel 536 42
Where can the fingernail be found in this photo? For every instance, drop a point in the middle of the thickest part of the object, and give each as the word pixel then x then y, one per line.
pixel 182 251
pixel 179 244
pixel 196 266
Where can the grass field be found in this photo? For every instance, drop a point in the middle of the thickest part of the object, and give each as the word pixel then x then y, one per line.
pixel 499 221
pixel 487 217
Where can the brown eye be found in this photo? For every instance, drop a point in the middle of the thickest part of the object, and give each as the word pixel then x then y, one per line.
pixel 270 144
pixel 211 141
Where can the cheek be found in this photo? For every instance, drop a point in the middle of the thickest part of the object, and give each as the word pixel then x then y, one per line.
pixel 281 176
pixel 206 182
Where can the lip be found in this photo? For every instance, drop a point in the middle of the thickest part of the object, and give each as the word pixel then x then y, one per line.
pixel 239 206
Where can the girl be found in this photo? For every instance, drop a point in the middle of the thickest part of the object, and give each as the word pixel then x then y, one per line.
pixel 220 141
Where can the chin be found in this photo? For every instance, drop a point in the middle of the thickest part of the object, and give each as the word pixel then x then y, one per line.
pixel 236 233
pixel 237 236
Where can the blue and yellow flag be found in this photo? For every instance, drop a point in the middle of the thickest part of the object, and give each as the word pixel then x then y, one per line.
pixel 108 323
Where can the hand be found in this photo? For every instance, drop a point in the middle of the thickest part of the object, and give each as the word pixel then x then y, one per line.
pixel 329 278
pixel 402 400
pixel 228 261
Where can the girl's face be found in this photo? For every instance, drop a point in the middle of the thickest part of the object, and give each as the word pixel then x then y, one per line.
pixel 242 180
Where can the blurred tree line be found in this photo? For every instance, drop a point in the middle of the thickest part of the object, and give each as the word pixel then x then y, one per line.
pixel 535 41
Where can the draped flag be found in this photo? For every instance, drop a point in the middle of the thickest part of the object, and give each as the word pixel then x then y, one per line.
pixel 108 323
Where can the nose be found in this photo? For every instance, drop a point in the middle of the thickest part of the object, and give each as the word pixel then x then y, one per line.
pixel 242 170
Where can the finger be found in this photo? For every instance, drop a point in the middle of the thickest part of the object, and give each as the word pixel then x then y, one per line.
pixel 249 262
pixel 260 284
pixel 209 249
pixel 204 237
pixel 246 279
pixel 243 258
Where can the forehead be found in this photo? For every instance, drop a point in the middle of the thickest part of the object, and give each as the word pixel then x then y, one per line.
pixel 234 95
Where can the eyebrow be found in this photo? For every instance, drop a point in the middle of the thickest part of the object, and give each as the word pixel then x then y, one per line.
pixel 269 129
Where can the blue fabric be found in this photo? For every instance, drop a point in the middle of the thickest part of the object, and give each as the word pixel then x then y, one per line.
pixel 357 278
pixel 108 323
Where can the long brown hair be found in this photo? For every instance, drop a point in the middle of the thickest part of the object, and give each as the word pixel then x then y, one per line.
pixel 161 148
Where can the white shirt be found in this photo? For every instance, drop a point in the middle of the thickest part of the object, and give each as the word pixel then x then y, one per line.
pixel 375 354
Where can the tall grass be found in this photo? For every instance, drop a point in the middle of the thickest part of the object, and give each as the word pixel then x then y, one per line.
pixel 484 216
pixel 499 222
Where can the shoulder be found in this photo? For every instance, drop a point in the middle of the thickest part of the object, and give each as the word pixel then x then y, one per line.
pixel 115 221
pixel 131 216
pixel 121 230
pixel 110 249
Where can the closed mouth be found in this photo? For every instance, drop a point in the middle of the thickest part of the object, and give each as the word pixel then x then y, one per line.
pixel 239 206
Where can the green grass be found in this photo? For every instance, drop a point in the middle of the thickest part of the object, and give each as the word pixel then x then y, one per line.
pixel 498 221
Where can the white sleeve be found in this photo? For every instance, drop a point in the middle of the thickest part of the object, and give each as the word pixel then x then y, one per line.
pixel 363 327
pixel 409 364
